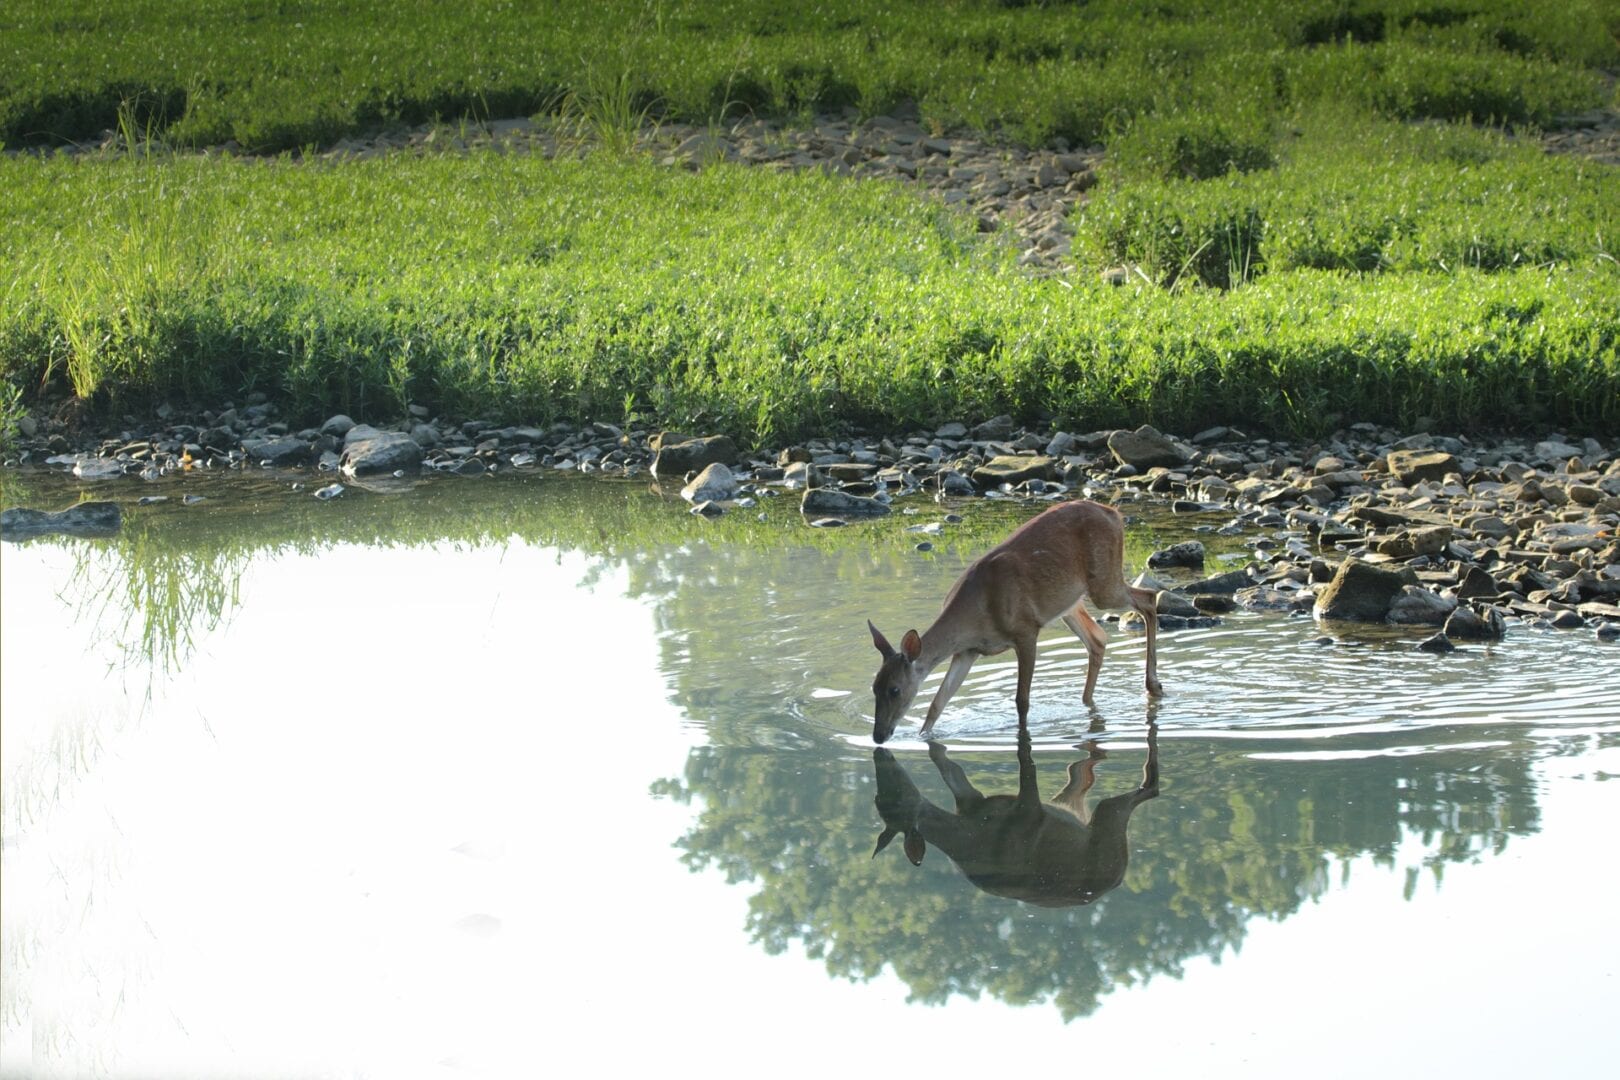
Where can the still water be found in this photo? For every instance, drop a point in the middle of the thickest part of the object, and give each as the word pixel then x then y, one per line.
pixel 489 778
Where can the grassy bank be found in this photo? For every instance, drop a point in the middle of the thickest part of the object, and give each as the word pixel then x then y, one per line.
pixel 768 305
pixel 279 75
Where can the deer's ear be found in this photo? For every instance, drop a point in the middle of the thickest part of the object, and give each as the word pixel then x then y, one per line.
pixel 880 641
pixel 916 848
pixel 911 645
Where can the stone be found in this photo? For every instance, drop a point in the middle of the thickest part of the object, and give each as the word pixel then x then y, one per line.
pixel 1413 466
pixel 996 428
pixel 1015 469
pixel 380 452
pixel 329 492
pixel 1189 553
pixel 1146 448
pixel 952 430
pixel 94 468
pixel 284 453
pixel 1476 584
pixel 1438 644
pixel 677 458
pixel 1221 584
pixel 82 519
pixel 426 436
pixel 1417 606
pixel 833 501
pixel 1173 603
pixel 338 425
pixel 1359 591
pixel 716 483
pixel 1467 623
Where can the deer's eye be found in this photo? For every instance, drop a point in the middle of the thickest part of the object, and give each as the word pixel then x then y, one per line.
pixel 894 691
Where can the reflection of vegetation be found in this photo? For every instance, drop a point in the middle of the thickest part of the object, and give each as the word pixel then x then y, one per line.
pixel 173 571
pixel 1232 839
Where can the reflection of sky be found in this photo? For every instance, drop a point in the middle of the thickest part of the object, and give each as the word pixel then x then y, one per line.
pixel 392 819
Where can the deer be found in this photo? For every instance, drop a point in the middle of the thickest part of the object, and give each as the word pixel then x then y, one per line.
pixel 1050 854
pixel 1045 570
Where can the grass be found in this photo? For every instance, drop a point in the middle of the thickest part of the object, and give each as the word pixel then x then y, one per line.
pixel 767 305
pixel 282 75
pixel 1337 195
pixel 1360 195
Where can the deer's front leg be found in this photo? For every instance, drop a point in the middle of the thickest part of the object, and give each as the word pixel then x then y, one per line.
pixel 953 679
pixel 1025 647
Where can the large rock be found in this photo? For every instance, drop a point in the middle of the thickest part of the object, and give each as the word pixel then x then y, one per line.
pixel 1188 553
pixel 1469 624
pixel 1146 448
pixel 1417 606
pixel 380 452
pixel 833 501
pixel 84 519
pixel 1015 469
pixel 714 484
pixel 1360 591
pixel 677 457
pixel 1219 585
pixel 1412 466
pixel 285 452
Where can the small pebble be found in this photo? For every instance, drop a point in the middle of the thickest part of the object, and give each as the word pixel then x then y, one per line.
pixel 1439 643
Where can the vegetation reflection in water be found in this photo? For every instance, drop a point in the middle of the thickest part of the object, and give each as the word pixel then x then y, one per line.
pixel 758 617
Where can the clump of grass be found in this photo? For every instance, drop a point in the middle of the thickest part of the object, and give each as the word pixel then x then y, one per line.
pixel 282 77
pixel 767 305
pixel 1363 196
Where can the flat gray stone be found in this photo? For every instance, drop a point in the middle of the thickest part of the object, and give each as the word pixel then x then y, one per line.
pixel 383 452
pixel 831 501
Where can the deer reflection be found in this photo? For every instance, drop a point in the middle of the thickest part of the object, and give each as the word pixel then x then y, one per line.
pixel 1053 854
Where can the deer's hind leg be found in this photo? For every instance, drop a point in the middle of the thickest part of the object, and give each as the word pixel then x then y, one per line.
pixel 1095 638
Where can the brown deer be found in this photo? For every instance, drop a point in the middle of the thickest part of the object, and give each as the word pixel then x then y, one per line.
pixel 1052 854
pixel 1043 571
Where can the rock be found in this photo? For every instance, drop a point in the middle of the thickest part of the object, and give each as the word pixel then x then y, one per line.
pixel 1189 553
pixel 1146 448
pixel 1015 469
pixel 997 428
pixel 338 426
pixel 1568 620
pixel 1221 584
pixel 1410 543
pixel 1412 466
pixel 380 452
pixel 714 484
pixel 688 455
pixel 330 491
pixel 94 468
pixel 1477 583
pixel 1359 591
pixel 833 501
pixel 1268 598
pixel 1468 624
pixel 953 431
pixel 1439 644
pixel 82 519
pixel 1417 606
pixel 283 453
pixel 426 436
pixel 1173 603
pixel 1608 631
pixel 708 508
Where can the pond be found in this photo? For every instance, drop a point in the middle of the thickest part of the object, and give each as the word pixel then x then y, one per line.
pixel 479 774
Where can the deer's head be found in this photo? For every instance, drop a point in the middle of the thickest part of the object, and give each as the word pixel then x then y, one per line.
pixel 897 681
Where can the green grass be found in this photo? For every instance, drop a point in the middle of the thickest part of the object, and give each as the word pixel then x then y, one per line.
pixel 1360 195
pixel 1328 188
pixel 284 74
pixel 763 304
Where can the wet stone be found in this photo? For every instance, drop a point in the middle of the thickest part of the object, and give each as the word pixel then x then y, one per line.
pixel 1190 553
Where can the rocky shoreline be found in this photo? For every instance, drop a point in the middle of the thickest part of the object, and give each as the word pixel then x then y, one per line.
pixel 1465 535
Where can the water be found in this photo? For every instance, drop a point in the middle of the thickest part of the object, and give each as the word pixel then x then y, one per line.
pixel 489 773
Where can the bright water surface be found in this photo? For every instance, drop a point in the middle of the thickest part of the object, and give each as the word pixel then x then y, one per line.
pixel 487 778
